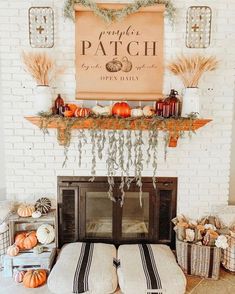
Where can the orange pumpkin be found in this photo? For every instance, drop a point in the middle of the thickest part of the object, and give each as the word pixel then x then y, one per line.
pixel 25 210
pixel 68 113
pixel 82 112
pixel 34 278
pixel 73 107
pixel 121 109
pixel 26 240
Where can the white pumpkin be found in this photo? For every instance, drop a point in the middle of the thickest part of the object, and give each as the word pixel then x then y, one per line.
pixel 45 234
pixel 148 110
pixel 13 250
pixel 136 112
pixel 102 110
pixel 36 214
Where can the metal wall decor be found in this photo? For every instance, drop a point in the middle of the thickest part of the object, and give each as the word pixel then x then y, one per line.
pixel 41 27
pixel 198 27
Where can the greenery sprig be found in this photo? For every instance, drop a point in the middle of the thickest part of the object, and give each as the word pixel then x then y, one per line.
pixel 114 15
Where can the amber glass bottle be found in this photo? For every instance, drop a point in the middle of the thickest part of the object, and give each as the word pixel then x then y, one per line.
pixel 174 104
pixel 59 103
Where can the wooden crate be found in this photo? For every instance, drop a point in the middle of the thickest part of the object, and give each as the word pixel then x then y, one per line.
pixel 19 224
pixel 28 260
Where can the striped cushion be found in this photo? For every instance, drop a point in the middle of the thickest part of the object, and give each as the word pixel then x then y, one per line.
pixel 149 269
pixel 84 268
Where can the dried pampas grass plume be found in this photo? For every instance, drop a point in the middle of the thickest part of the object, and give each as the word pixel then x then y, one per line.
pixel 190 69
pixel 41 67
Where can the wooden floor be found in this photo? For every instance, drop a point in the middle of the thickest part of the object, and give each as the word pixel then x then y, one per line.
pixel 225 285
pixel 195 285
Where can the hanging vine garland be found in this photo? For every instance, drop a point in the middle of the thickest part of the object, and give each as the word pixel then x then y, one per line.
pixel 114 15
pixel 123 151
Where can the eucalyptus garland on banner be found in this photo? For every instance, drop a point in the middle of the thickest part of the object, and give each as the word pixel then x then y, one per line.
pixel 113 15
pixel 125 150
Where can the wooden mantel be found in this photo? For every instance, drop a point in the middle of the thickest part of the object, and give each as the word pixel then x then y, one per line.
pixel 173 126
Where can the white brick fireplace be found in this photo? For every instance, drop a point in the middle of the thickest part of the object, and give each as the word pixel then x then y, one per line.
pixel 33 161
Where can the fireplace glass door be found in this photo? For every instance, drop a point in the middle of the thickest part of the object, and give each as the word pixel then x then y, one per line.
pixel 135 219
pixel 85 213
pixel 99 216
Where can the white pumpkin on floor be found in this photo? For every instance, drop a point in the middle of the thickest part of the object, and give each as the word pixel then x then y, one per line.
pixel 45 234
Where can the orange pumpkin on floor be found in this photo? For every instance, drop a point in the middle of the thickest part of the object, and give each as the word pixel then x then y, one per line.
pixel 121 109
pixel 82 112
pixel 26 240
pixel 34 278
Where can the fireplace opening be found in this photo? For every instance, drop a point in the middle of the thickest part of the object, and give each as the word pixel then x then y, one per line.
pixel 85 213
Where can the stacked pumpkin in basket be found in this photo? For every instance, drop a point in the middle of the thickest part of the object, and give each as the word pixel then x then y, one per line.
pixel 207 231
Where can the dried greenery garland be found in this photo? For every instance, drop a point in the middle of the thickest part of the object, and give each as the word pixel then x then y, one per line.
pixel 113 15
pixel 124 148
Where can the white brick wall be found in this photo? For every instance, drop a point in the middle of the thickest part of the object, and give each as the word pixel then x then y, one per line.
pixel 33 162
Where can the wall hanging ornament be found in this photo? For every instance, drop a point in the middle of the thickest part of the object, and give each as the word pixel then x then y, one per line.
pixel 113 15
pixel 198 28
pixel 41 27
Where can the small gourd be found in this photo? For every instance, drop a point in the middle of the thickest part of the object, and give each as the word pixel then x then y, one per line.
pixel 38 249
pixel 126 64
pixel 36 214
pixel 18 276
pixel 13 250
pixel 114 65
pixel 148 110
pixel 25 210
pixel 34 278
pixel 82 112
pixel 45 234
pixel 136 112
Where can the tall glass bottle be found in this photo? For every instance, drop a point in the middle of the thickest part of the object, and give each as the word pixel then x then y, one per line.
pixel 59 103
pixel 174 103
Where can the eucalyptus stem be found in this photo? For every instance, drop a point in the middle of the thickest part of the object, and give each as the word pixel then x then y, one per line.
pixel 93 151
pixel 139 162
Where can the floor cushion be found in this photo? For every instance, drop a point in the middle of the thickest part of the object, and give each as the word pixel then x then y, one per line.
pixel 149 269
pixel 84 268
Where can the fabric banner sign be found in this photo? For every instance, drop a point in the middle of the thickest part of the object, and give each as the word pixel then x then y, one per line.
pixel 123 60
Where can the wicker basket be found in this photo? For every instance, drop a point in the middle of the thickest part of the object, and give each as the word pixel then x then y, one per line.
pixel 228 255
pixel 4 244
pixel 203 261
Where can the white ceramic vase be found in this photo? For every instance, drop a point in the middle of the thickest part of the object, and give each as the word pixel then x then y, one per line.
pixel 191 102
pixel 42 99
